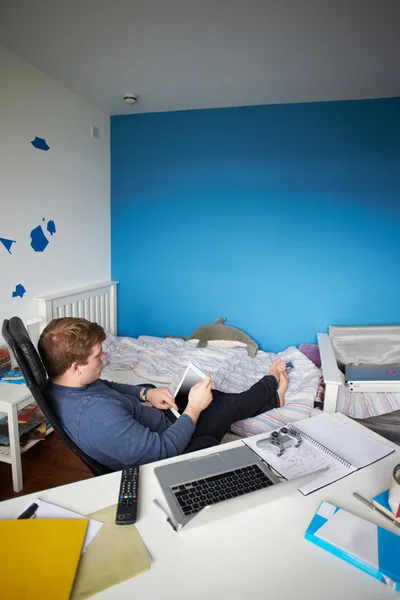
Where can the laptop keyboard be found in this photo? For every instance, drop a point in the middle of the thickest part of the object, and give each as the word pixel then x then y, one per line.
pixel 195 495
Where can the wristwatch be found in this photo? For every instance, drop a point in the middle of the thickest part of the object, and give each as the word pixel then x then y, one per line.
pixel 144 394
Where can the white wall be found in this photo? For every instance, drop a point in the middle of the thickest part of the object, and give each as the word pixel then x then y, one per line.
pixel 70 184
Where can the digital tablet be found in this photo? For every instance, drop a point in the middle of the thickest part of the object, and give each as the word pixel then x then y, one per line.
pixel 191 376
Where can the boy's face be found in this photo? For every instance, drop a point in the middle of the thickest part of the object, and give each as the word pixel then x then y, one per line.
pixel 92 370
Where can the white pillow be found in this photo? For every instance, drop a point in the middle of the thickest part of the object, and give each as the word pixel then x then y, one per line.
pixel 219 343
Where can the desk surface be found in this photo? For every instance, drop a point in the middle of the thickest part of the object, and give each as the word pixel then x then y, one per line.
pixel 258 554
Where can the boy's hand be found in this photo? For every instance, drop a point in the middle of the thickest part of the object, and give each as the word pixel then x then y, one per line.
pixel 161 398
pixel 200 395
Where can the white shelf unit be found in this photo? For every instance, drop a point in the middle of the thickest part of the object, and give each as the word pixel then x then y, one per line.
pixel 12 398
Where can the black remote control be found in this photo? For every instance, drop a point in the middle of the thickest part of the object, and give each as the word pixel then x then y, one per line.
pixel 128 496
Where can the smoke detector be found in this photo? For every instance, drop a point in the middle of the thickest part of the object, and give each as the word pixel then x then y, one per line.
pixel 130 98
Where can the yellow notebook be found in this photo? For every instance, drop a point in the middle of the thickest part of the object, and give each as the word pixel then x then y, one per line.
pixel 40 557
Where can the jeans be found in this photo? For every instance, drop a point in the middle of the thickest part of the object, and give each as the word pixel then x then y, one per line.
pixel 215 421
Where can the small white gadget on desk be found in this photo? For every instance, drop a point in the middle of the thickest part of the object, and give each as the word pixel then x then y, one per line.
pixel 191 376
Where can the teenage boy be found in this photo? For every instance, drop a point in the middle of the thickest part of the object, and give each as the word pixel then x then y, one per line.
pixel 109 421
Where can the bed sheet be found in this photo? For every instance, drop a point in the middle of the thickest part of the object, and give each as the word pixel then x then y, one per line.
pixel 149 359
pixel 364 405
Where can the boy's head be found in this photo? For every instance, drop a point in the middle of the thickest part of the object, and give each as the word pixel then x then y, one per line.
pixel 73 345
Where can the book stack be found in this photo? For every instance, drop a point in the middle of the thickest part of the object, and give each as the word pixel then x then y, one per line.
pixel 13 376
pixel 24 414
pixel 365 545
pixel 5 360
pixel 30 426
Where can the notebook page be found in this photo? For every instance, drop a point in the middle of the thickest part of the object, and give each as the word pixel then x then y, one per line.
pixel 46 510
pixel 302 460
pixel 348 443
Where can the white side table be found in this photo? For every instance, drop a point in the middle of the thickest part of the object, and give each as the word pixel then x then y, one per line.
pixel 12 398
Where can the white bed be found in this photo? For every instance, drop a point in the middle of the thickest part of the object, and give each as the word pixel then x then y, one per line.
pixel 338 395
pixel 162 361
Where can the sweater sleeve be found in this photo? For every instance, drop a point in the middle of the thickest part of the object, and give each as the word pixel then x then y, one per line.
pixel 124 388
pixel 125 439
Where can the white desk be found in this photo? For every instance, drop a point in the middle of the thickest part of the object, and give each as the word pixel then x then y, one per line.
pixel 258 554
pixel 13 397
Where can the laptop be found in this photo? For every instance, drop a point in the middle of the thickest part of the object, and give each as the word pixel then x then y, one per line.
pixel 202 490
pixel 373 378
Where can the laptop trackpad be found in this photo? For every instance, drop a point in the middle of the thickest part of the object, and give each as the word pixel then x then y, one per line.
pixel 209 465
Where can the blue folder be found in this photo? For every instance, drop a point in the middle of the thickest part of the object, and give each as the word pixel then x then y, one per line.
pixel 365 545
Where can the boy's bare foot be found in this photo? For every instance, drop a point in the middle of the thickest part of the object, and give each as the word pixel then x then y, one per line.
pixel 277 368
pixel 282 387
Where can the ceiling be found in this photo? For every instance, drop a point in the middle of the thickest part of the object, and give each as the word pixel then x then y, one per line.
pixel 190 54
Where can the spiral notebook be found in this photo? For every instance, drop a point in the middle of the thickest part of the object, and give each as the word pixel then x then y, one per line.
pixel 326 442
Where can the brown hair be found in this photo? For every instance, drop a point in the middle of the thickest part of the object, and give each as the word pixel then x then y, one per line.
pixel 68 340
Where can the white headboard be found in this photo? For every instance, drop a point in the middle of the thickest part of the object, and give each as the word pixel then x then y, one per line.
pixel 97 303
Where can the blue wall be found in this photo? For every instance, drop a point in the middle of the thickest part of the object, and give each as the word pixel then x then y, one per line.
pixel 282 218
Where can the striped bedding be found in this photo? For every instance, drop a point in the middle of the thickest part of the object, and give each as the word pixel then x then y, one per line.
pixel 149 359
pixel 364 405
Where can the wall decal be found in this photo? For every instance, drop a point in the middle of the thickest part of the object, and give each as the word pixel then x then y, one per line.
pixel 19 291
pixel 7 244
pixel 38 240
pixel 51 227
pixel 40 144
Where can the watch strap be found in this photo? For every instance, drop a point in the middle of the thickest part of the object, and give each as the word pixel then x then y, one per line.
pixel 144 394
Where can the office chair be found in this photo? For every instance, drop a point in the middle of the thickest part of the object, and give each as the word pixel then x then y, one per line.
pixel 16 336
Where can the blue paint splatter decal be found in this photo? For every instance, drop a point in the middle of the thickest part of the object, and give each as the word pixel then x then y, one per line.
pixel 19 291
pixel 7 244
pixel 38 240
pixel 51 227
pixel 40 144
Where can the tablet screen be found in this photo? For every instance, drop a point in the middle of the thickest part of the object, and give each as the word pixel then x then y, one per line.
pixel 191 376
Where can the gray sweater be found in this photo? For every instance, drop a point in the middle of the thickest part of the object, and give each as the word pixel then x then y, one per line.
pixel 110 424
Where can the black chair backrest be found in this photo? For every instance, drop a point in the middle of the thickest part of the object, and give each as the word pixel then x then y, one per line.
pixel 16 336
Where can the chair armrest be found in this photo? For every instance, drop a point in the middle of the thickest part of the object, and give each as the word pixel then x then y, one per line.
pixel 329 366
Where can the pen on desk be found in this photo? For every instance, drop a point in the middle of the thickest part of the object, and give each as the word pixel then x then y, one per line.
pixel 30 512
pixel 165 515
pixel 371 505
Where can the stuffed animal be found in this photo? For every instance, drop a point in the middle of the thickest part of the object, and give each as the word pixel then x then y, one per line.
pixel 219 331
